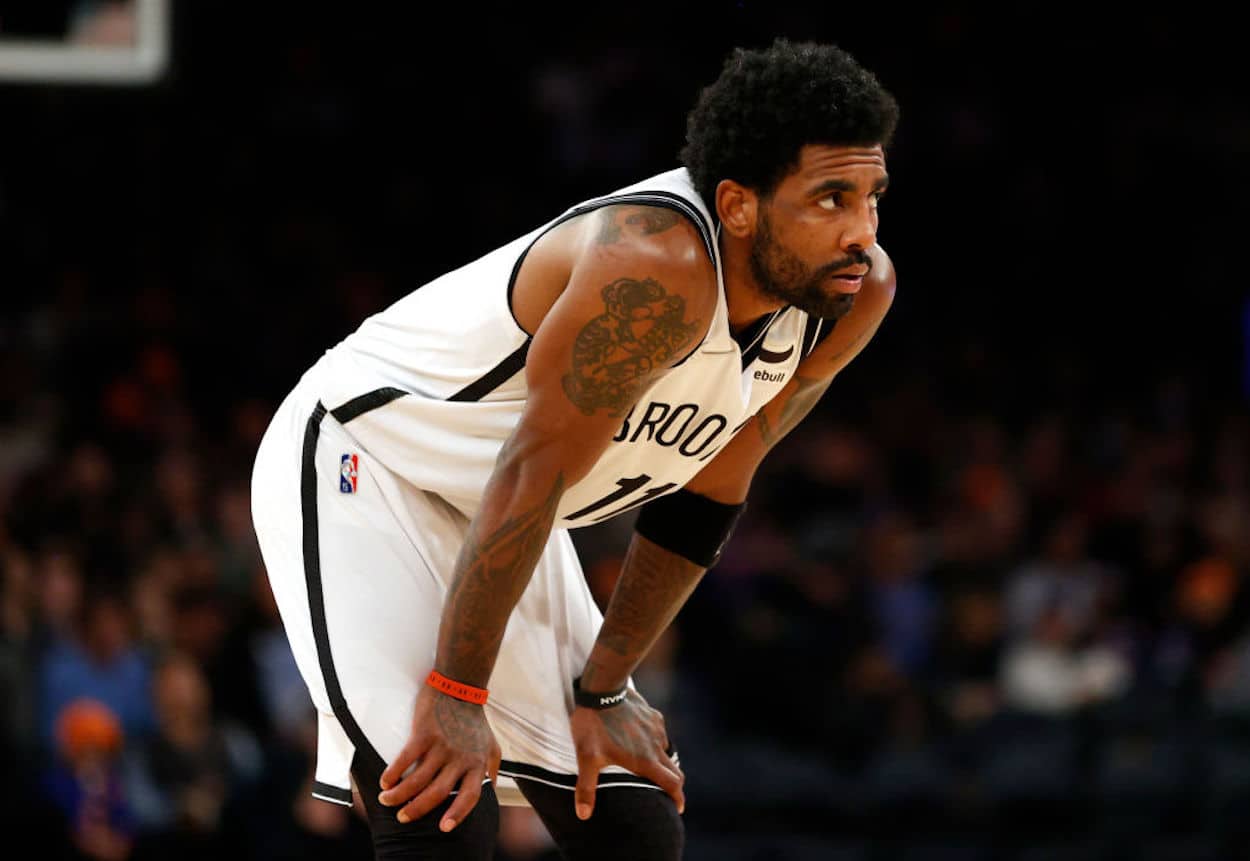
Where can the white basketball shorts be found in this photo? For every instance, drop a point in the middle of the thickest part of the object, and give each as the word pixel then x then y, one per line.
pixel 359 561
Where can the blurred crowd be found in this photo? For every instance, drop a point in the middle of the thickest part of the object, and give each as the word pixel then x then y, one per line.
pixel 964 618
pixel 966 626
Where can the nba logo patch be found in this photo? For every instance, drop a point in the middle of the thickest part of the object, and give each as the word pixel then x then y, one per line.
pixel 347 473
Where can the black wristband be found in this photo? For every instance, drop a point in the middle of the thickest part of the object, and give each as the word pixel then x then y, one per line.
pixel 585 699
pixel 689 524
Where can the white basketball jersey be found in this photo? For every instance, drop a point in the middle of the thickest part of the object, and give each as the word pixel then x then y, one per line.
pixel 433 385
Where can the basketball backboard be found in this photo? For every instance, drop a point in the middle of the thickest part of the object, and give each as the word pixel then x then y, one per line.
pixel 103 42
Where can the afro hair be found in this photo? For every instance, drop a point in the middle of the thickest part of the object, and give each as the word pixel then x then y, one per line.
pixel 767 104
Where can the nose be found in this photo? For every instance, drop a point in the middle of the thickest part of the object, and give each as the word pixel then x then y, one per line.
pixel 860 234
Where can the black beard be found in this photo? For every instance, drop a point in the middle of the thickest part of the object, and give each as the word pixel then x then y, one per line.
pixel 782 275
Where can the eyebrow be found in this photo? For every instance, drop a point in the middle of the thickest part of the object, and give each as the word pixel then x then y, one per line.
pixel 844 185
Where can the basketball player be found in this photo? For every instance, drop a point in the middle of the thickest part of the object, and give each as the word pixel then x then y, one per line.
pixel 643 350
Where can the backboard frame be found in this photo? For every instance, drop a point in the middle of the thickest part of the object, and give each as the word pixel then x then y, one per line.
pixel 48 61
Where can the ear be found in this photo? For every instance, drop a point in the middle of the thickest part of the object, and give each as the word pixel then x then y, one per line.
pixel 737 207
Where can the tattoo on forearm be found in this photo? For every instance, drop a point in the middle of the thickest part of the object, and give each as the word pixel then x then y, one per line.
pixel 615 354
pixel 646 219
pixel 593 676
pixel 770 436
pixel 488 584
pixel 653 586
pixel 457 722
pixel 806 394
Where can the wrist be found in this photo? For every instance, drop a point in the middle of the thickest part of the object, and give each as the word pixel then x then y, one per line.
pixel 456 689
pixel 599 699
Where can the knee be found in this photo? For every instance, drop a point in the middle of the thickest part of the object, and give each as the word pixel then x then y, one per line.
pixel 628 824
pixel 635 824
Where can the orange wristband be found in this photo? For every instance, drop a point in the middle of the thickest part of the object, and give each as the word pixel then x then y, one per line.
pixel 459 690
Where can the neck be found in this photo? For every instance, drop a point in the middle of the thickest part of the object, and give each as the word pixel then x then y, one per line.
pixel 744 300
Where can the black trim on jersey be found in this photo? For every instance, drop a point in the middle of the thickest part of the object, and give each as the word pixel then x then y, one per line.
pixel 775 358
pixel 824 331
pixel 326 792
pixel 358 406
pixel 496 376
pixel 657 198
pixel 525 771
pixel 816 330
pixel 516 270
pixel 809 334
pixel 751 339
pixel 754 331
pixel 316 598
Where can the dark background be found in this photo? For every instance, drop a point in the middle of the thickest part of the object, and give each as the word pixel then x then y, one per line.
pixel 1068 348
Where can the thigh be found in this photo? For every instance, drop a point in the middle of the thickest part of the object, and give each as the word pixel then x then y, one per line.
pixel 356 569
pixel 629 823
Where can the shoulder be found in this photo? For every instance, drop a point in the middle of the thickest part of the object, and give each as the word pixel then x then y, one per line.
pixel 879 283
pixel 631 240
pixel 875 296
pixel 662 226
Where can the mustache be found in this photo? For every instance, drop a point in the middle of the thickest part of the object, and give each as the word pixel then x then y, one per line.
pixel 855 258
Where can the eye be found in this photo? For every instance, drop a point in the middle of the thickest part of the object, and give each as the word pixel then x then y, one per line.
pixel 831 201
pixel 875 198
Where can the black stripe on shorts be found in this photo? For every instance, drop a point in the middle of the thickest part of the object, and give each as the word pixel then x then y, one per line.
pixel 333 794
pixel 316 598
pixel 525 771
pixel 358 406
pixel 495 377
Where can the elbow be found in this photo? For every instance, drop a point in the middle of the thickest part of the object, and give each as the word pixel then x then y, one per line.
pixel 526 485
pixel 529 460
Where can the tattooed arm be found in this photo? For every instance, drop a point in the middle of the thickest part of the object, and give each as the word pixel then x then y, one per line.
pixel 655 583
pixel 640 295
pixel 639 298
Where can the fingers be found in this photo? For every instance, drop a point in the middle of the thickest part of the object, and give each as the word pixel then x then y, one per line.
pixel 470 792
pixel 417 780
pixel 432 796
pixel 667 773
pixel 492 769
pixel 406 757
pixel 662 771
pixel 665 764
pixel 587 781
pixel 669 778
